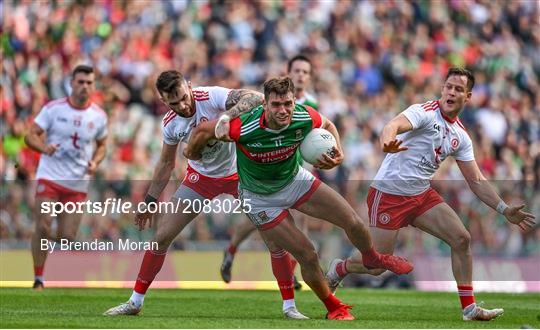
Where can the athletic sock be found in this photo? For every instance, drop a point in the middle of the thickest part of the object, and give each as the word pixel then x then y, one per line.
pixel 150 267
pixel 137 298
pixel 288 303
pixel 341 268
pixel 283 272
pixel 231 249
pixel 38 273
pixel 466 295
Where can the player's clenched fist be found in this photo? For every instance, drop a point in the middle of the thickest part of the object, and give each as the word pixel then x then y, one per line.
pixel 49 149
pixel 142 218
pixel 394 146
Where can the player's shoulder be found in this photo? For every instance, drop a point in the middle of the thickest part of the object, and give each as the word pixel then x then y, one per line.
pixel 98 110
pixel 462 130
pixel 428 106
pixel 61 102
pixel 168 119
pixel 205 93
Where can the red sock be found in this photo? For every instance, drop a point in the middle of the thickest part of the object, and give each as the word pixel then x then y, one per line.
pixel 466 295
pixel 231 249
pixel 293 263
pixel 369 256
pixel 38 270
pixel 332 303
pixel 150 266
pixel 283 272
pixel 341 268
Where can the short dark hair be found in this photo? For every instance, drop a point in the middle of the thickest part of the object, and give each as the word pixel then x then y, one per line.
pixel 82 68
pixel 298 57
pixel 169 80
pixel 280 86
pixel 462 72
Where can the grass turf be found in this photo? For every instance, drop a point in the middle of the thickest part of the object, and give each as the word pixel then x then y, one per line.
pixel 82 308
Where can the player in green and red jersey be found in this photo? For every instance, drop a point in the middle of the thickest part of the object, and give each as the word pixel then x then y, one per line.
pixel 272 182
pixel 299 69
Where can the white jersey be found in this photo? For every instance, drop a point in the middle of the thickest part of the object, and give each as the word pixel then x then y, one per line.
pixel 433 138
pixel 73 131
pixel 218 157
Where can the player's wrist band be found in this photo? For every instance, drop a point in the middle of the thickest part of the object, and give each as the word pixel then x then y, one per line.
pixel 150 199
pixel 501 207
pixel 222 118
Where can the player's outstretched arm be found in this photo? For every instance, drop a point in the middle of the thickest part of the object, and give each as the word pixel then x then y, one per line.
pixel 400 124
pixel 200 136
pixel 238 102
pixel 487 194
pixel 35 140
pixel 160 178
pixel 328 162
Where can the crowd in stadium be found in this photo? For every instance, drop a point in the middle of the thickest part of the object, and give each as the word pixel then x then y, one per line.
pixel 371 59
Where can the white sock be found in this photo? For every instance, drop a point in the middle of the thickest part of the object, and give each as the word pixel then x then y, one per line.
pixel 288 304
pixel 137 299
pixel 38 278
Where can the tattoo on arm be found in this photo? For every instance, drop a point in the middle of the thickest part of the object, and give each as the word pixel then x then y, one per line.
pixel 241 101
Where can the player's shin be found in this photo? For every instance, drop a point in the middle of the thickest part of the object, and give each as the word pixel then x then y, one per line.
pixel 283 272
pixel 150 267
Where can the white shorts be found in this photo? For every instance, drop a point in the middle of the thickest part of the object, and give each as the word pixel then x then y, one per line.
pixel 269 210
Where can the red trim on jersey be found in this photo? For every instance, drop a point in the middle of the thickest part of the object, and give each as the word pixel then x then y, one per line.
pixel 308 194
pixel 261 121
pixel 448 119
pixel 275 222
pixel 55 102
pixel 168 117
pixel 430 105
pixel 461 125
pixel 201 95
pixel 86 106
pixel 235 126
pixel 316 118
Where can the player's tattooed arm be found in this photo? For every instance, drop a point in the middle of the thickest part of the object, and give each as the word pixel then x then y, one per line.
pixel 241 101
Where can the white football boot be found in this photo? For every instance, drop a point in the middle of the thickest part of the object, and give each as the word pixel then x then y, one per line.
pixel 332 276
pixel 293 313
pixel 474 312
pixel 127 308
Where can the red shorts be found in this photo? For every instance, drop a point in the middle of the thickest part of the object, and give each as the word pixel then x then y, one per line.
pixel 54 191
pixel 211 187
pixel 389 211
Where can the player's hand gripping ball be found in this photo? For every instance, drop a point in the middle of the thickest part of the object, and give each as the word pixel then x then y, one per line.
pixel 318 142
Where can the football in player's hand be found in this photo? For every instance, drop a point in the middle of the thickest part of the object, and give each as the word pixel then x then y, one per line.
pixel 318 142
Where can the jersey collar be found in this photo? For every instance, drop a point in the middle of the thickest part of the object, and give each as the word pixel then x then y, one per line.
pixel 448 119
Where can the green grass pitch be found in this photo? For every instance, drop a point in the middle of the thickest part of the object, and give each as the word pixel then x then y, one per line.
pixel 82 308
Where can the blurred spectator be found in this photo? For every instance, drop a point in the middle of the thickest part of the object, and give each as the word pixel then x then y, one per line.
pixel 371 59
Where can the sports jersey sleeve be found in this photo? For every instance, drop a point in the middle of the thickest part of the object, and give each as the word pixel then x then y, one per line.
pixel 168 134
pixel 218 97
pixel 235 126
pixel 418 116
pixel 43 119
pixel 103 130
pixel 316 117
pixel 465 150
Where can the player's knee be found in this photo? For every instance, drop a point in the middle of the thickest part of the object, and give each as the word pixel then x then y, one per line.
pixel 309 257
pixel 43 229
pixel 462 242
pixel 163 242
